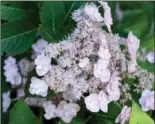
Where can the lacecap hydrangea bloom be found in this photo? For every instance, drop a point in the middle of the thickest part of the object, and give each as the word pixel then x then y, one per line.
pixel 89 63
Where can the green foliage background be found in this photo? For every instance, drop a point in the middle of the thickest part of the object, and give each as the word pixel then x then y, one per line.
pixel 23 21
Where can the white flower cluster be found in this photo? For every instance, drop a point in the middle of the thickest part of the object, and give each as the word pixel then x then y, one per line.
pixel 86 61
pixel 6 101
pixel 69 66
pixel 94 102
pixel 124 115
pixel 146 80
pixel 43 64
pixel 39 47
pixel 38 87
pixel 65 111
pixel 11 71
pixel 143 55
pixel 133 45
pixel 147 100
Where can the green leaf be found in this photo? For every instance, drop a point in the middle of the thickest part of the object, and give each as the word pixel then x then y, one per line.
pixel 101 120
pixel 148 44
pixel 10 13
pixel 52 16
pixel 139 28
pixel 138 116
pixel 80 118
pixel 147 65
pixel 21 113
pixel 56 19
pixel 17 37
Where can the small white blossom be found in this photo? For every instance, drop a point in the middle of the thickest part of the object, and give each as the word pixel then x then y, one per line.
pixel 38 87
pixel 39 46
pixel 101 71
pixel 150 57
pixel 6 101
pixel 92 102
pixel 93 13
pixel 107 15
pixel 67 111
pixel 133 44
pixel 83 62
pixel 113 92
pixel 124 115
pixel 104 53
pixel 147 100
pixel 43 64
pixel 103 40
pixel 132 66
pixel 119 12
pixel 20 93
pixel 53 50
pixel 113 87
pixel 104 101
pixel 50 110
pixel 105 76
pixel 11 71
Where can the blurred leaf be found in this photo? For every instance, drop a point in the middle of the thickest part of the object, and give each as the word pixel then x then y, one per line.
pixel 101 120
pixel 29 5
pixel 147 65
pixel 17 37
pixel 21 113
pixel 80 118
pixel 148 44
pixel 138 116
pixel 114 109
pixel 138 28
pixel 12 14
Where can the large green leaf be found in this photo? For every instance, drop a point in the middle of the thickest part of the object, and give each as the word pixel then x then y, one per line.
pixel 22 114
pixel 138 116
pixel 56 19
pixel 17 37
pixel 10 13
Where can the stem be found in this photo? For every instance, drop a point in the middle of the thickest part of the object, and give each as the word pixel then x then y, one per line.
pixel 90 117
pixel 41 115
pixel 106 116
